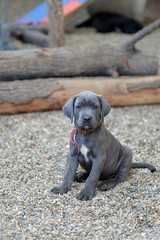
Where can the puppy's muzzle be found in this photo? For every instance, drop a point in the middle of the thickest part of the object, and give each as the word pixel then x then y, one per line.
pixel 86 122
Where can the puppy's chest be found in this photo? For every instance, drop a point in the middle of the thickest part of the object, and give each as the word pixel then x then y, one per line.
pixel 85 152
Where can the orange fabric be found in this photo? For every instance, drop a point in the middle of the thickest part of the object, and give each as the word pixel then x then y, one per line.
pixel 67 9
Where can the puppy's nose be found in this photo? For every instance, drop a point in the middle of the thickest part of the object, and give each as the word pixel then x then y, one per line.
pixel 87 118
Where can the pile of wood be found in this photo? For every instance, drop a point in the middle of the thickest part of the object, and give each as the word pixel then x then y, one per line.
pixel 44 79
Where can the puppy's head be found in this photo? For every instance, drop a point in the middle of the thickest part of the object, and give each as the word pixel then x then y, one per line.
pixel 88 110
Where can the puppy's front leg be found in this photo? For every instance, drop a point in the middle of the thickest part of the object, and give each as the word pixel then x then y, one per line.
pixel 87 193
pixel 72 164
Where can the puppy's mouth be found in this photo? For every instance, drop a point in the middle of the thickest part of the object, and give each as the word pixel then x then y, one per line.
pixel 86 127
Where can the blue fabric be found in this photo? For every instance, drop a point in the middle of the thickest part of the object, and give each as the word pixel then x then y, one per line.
pixel 40 12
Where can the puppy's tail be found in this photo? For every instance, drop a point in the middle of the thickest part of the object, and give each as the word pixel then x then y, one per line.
pixel 144 165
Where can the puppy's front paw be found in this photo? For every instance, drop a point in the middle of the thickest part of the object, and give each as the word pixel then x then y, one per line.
pixel 60 189
pixel 85 195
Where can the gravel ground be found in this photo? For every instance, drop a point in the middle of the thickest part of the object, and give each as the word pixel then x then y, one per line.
pixel 33 155
pixel 33 150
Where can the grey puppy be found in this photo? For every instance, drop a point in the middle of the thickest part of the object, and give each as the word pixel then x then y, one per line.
pixel 95 148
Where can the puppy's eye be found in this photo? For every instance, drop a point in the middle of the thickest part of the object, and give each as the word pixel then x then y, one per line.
pixel 95 106
pixel 78 106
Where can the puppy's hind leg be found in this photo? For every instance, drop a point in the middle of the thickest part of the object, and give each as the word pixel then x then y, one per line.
pixel 81 176
pixel 122 171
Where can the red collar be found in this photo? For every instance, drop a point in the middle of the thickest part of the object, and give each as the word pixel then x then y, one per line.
pixel 73 139
pixel 86 131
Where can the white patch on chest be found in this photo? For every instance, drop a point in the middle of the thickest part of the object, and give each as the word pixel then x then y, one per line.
pixel 84 150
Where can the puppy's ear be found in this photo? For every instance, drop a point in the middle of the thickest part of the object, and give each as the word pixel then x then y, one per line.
pixel 68 108
pixel 105 107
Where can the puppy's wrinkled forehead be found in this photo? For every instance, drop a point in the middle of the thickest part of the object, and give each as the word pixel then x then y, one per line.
pixel 87 98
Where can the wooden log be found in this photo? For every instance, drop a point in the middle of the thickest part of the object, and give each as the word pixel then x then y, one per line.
pixel 17 29
pixel 30 36
pixel 92 60
pixel 53 93
pixel 81 61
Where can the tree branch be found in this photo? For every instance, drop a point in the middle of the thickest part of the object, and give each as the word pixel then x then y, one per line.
pixel 129 44
pixel 56 29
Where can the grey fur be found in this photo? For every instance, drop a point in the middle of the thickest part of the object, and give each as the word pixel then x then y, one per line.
pixel 100 153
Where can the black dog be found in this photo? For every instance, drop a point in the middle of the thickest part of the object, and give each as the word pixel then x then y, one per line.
pixel 112 22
